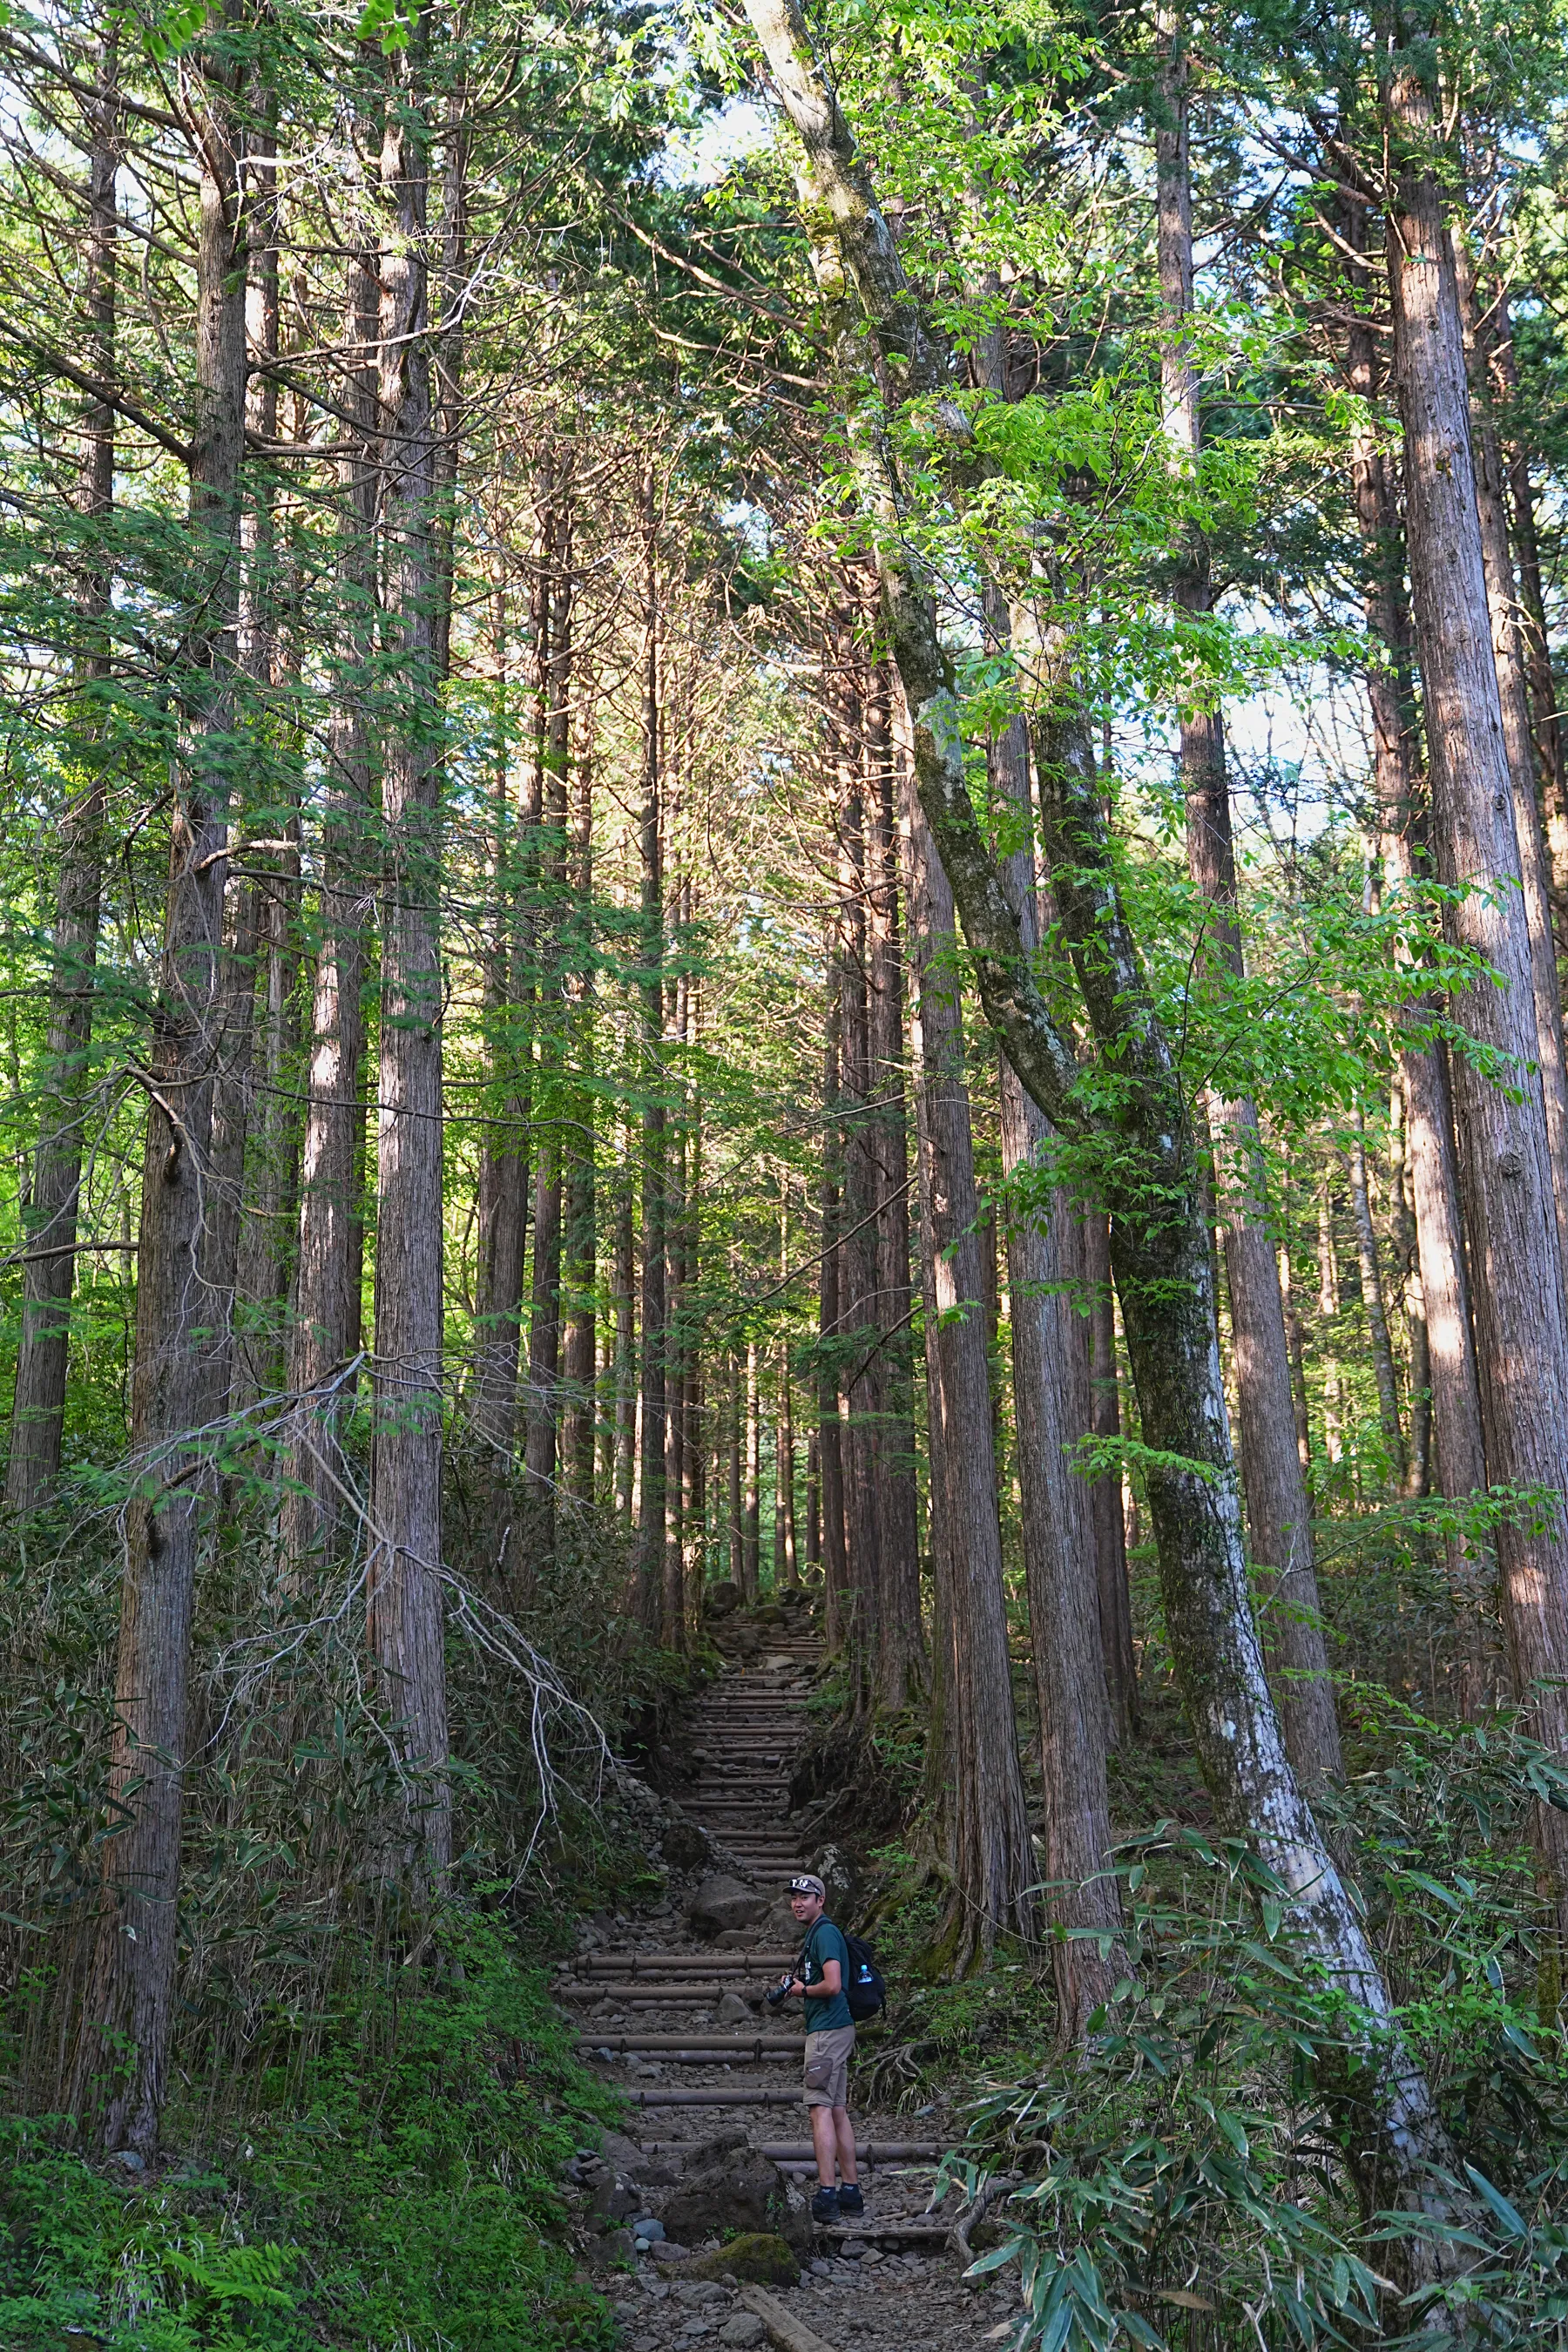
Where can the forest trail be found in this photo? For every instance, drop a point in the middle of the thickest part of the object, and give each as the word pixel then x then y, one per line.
pixel 709 2068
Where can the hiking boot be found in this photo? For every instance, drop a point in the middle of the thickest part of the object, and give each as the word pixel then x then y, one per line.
pixel 851 2204
pixel 824 2205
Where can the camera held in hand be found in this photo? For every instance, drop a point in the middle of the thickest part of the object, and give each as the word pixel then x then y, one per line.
pixel 776 1995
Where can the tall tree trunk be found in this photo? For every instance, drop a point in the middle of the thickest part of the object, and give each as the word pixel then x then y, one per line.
pixel 50 1213
pixel 555 681
pixel 1453 1376
pixel 899 1661
pixel 508 1178
pixel 1298 1352
pixel 860 1383
pixel 786 1564
pixel 503 1190
pixel 273 1136
pixel 1551 747
pixel 581 1231
pixel 1513 698
pixel 1278 1512
pixel 1506 1176
pixel 735 1446
pixel 1051 1400
pixel 993 1866
pixel 1105 1491
pixel 750 1518
pixel 327 1288
pixel 130 1999
pixel 1159 1256
pixel 1418 1470
pixel 812 1504
pixel 229 1235
pixel 694 1420
pixel 623 1279
pixel 830 1440
pixel 1374 1305
pixel 403 1582
pixel 674 1566
pixel 651 1532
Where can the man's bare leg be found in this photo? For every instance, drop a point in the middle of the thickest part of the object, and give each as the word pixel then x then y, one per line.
pixel 844 2131
pixel 822 2120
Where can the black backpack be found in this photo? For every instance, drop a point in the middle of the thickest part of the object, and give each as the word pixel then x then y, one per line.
pixel 866 1993
pixel 865 1990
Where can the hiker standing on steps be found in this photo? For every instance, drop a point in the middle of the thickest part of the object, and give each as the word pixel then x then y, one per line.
pixel 831 2039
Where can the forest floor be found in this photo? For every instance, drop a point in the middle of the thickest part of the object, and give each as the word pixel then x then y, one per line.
pixel 670 2004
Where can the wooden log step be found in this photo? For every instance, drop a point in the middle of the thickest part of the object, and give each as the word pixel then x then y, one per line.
pixel 733 2045
pixel 800 2152
pixel 635 1964
pixel 727 2095
pixel 635 1991
pixel 890 2233
pixel 736 1799
pixel 590 2046
pixel 789 2333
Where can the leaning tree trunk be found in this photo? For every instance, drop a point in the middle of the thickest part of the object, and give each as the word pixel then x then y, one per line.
pixel 1506 1177
pixel 993 1866
pixel 1278 1509
pixel 403 1582
pixel 131 2002
pixel 49 1214
pixel 1159 1245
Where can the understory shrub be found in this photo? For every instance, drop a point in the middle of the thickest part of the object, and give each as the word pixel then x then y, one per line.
pixel 1182 2185
pixel 393 2193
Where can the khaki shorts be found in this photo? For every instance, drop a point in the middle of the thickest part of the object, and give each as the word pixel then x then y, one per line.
pixel 827 2067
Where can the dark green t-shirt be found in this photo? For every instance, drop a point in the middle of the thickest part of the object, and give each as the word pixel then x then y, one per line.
pixel 824 1943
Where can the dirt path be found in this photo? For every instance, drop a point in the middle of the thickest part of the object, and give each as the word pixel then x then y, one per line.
pixel 677 2018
